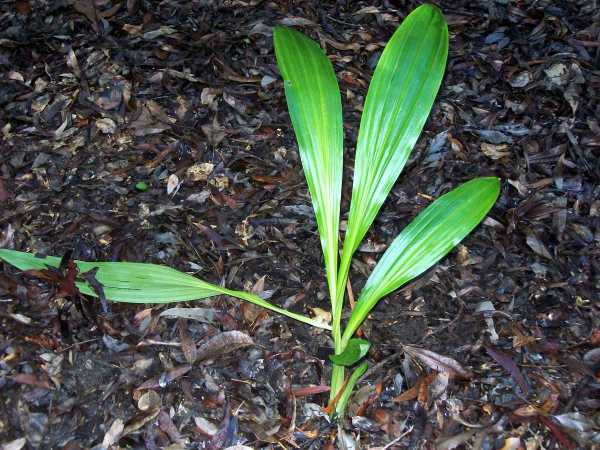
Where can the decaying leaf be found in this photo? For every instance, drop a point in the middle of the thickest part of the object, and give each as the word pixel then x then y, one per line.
pixel 439 363
pixel 213 132
pixel 582 427
pixel 199 172
pixel 223 343
pixel 114 433
pixel 507 362
pixel 148 401
pixel 206 315
pixel 166 378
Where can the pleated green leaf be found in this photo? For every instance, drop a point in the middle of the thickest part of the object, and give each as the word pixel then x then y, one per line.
pixel 426 240
pixel 144 283
pixel 401 94
pixel 315 107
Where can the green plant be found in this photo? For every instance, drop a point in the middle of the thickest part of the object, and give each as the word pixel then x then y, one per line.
pixel 398 102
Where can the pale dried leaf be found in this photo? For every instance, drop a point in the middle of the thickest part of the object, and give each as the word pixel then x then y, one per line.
pixel 205 315
pixel 17 444
pixel 149 400
pixel 106 125
pixel 538 246
pixel 438 362
pixel 173 184
pixel 114 433
pixel 199 172
pixel 223 343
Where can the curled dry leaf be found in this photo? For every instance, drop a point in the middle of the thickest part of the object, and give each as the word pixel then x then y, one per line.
pixel 222 344
pixel 166 424
pixel 439 363
pixel 3 193
pixel 205 315
pixel 31 380
pixel 420 386
pixel 564 440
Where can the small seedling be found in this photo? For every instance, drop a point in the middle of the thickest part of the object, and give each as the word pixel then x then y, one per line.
pixel 399 99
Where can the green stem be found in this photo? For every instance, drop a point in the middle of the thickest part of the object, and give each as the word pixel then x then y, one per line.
pixel 339 302
pixel 340 407
pixel 338 375
pixel 338 372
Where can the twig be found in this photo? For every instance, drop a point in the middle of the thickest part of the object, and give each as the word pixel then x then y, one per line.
pixel 398 439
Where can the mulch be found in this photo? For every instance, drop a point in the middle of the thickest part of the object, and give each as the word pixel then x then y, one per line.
pixel 158 132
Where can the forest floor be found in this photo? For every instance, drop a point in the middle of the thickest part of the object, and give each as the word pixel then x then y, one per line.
pixel 158 132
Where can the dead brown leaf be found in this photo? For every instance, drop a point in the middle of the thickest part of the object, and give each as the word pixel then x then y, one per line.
pixel 223 343
pixel 439 363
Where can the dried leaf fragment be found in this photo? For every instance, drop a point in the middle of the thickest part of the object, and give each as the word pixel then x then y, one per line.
pixel 17 444
pixel 199 172
pixel 106 125
pixel 165 378
pixel 538 246
pixel 113 434
pixel 438 362
pixel 206 315
pixel 521 79
pixel 494 151
pixel 507 362
pixel 149 400
pixel 222 344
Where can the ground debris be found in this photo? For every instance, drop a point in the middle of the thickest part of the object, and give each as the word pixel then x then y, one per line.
pixel 158 132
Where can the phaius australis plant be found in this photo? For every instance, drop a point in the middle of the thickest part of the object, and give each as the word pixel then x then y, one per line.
pixel 400 96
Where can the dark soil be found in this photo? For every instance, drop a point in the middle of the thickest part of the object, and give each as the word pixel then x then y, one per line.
pixel 185 97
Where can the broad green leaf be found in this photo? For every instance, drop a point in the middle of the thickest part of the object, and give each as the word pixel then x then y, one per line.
pixel 400 97
pixel 315 107
pixel 144 283
pixel 354 352
pixel 340 406
pixel 426 240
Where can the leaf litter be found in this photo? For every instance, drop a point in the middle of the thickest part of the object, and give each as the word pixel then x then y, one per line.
pixel 184 99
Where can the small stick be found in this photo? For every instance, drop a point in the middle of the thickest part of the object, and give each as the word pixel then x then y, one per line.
pixel 350 293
